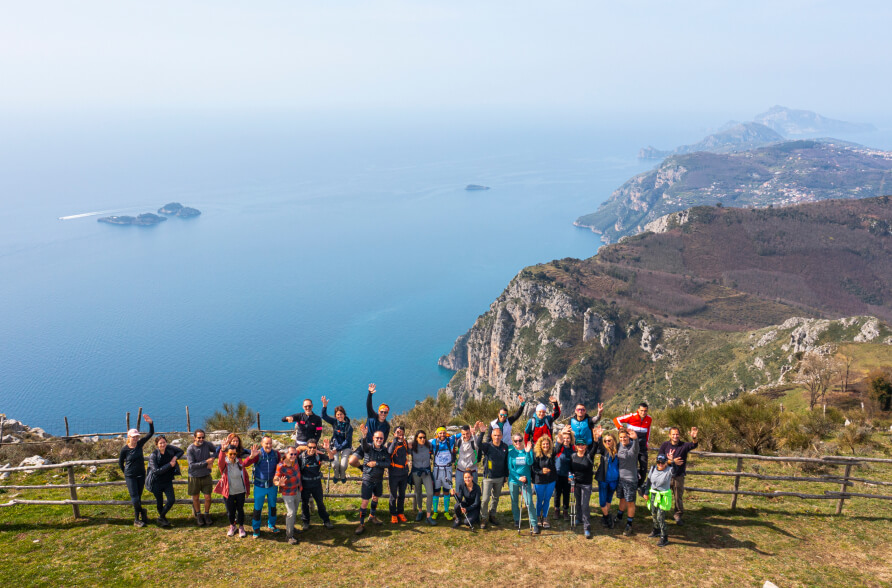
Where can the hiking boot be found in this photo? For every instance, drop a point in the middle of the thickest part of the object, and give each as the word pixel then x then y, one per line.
pixel 231 531
pixel 199 518
pixel 588 534
pixel 535 530
pixel 664 541
pixel 374 519
pixel 493 521
pixel 419 517
pixel 627 532
pixel 402 518
pixel 654 533
pixel 605 522
pixel 292 541
pixel 360 529
pixel 482 524
pixel 305 526
pixel 208 521
pixel 448 515
pixel 431 521
pixel 612 520
pixel 566 515
pixel 678 520
pixel 163 522
pixel 138 523
pixel 328 524
pixel 394 519
pixel 456 524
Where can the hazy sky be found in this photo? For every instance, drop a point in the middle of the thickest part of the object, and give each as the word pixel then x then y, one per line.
pixel 585 58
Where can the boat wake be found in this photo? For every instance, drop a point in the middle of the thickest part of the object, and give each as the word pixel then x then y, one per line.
pixel 85 214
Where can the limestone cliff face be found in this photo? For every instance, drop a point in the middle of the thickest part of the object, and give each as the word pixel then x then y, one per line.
pixel 536 341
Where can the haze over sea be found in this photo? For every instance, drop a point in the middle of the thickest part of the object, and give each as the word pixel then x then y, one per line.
pixel 329 254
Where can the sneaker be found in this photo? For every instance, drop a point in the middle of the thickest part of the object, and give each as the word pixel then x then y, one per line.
pixel 434 516
pixel 138 523
pixel 493 521
pixel 431 521
pixel 360 529
pixel 664 541
pixel 419 517
pixel 545 525
pixel 273 530
pixel 654 533
pixel 375 520
pixel 231 531
pixel 448 515
pixel 199 519
pixel 292 541
pixel 255 535
pixel 402 518
pixel 394 520
pixel 535 530
pixel 242 533
pixel 305 526
pixel 588 534
pixel 328 525
pixel 163 522
pixel 208 521
pixel 482 524
pixel 678 520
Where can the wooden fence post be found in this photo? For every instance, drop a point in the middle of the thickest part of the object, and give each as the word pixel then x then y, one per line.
pixel 843 488
pixel 77 510
pixel 138 418
pixel 128 420
pixel 258 421
pixel 737 483
pixel 189 422
pixel 67 433
pixel 2 422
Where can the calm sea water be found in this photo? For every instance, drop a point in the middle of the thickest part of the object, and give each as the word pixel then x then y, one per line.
pixel 328 255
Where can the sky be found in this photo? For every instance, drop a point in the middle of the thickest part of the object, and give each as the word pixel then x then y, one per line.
pixel 518 58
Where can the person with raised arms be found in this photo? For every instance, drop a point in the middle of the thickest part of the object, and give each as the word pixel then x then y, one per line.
pixel 310 463
pixel 233 484
pixel 375 460
pixel 495 472
pixel 443 455
pixel 377 420
pixel 422 475
pixel 398 474
pixel 503 422
pixel 466 454
pixel 582 467
pixel 544 477
pixel 306 424
pixel 679 466
pixel 341 439
pixel 566 445
pixel 163 466
pixel 641 423
pixel 659 496
pixel 467 502
pixel 627 487
pixel 287 479
pixel 541 423
pixel 520 460
pixel 582 424
pixel 131 460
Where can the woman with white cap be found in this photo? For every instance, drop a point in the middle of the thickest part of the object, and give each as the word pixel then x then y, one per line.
pixel 131 462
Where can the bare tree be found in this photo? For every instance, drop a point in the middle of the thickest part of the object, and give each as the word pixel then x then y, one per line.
pixel 816 373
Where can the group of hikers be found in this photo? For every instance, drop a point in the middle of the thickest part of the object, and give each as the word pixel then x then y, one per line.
pixel 535 462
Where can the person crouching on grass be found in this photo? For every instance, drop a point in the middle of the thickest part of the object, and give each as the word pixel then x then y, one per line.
pixel 467 502
pixel 659 496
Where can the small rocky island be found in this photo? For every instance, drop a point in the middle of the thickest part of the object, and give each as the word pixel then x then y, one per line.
pixel 177 209
pixel 475 187
pixel 144 220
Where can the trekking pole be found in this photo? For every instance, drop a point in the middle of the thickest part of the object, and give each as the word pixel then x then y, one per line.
pixel 537 514
pixel 468 521
pixel 328 485
pixel 522 507
pixel 572 503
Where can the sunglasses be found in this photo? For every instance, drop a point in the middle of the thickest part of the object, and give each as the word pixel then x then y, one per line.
pixel 383 411
pixel 580 410
pixel 199 438
pixel 503 415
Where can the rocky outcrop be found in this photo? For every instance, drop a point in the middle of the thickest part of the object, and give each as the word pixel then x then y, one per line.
pixel 668 222
pixel 804 336
pixel 869 331
pixel 597 327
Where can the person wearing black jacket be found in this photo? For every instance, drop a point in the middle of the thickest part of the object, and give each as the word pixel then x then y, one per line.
pixel 163 467
pixel 375 460
pixel 309 462
pixel 544 477
pixel 341 439
pixel 679 467
pixel 377 421
pixel 495 472
pixel 132 463
pixel 398 474
pixel 467 502
pixel 306 424
pixel 582 468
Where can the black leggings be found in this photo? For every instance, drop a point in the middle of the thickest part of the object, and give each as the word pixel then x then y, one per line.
pixel 159 499
pixel 135 484
pixel 235 508
pixel 473 515
pixel 562 491
pixel 397 495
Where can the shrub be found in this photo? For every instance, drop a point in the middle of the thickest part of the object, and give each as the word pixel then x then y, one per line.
pixel 853 436
pixel 752 422
pixel 428 414
pixel 233 417
pixel 484 409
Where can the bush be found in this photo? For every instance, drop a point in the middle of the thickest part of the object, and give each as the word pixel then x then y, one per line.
pixel 484 410
pixel 427 415
pixel 752 423
pixel 853 436
pixel 233 417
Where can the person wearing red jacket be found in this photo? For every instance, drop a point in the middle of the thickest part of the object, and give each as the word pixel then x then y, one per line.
pixel 640 422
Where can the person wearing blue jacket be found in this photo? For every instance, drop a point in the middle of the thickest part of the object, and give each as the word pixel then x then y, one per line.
pixel 265 490
pixel 607 474
pixel 520 458
pixel 341 439
pixel 377 420
pixel 581 424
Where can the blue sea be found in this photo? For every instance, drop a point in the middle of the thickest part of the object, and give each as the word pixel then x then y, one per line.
pixel 329 254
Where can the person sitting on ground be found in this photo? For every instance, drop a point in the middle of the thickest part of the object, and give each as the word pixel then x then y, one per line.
pixel 377 421
pixel 233 484
pixel 306 424
pixel 443 455
pixel 131 461
pixel 544 477
pixel 582 424
pixel 627 487
pixel 264 462
pixel 565 448
pixel 398 474
pixel 375 461
pixel 659 496
pixel 607 474
pixel 495 473
pixel 520 460
pixel 341 439
pixel 287 479
pixel 582 467
pixel 467 502
pixel 541 423
pixel 640 422
pixel 503 422
pixel 309 462
pixel 679 466
pixel 422 475
pixel 163 467
pixel 200 456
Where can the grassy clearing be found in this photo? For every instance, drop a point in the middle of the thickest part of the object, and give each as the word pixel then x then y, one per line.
pixel 787 540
